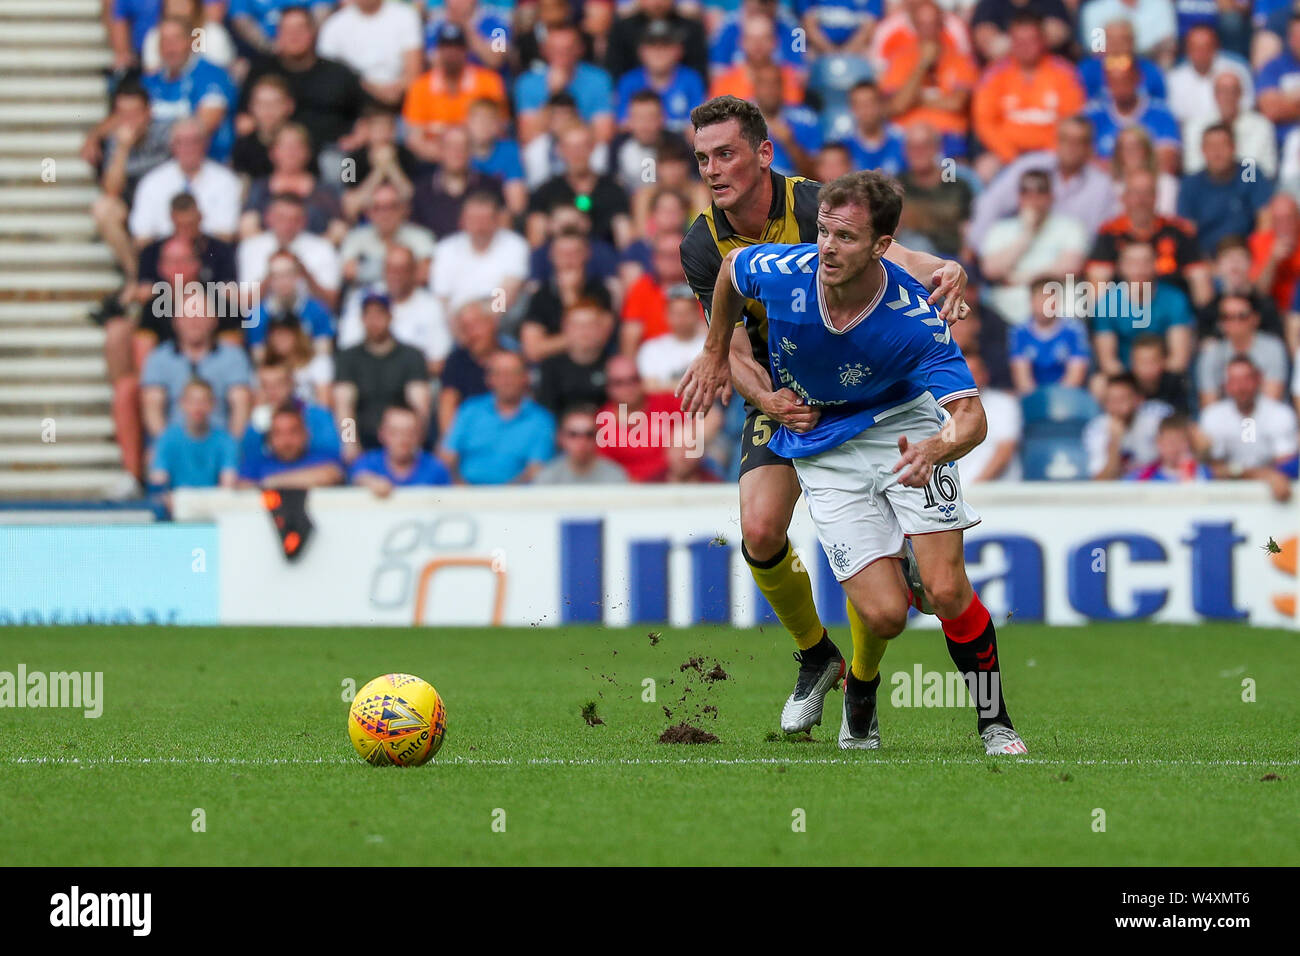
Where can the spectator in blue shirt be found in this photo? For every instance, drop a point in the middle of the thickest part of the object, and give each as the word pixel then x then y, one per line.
pixel 493 152
pixel 1052 347
pixel 400 462
pixel 195 353
pixel 680 88
pixel 589 85
pixel 794 130
pixel 188 85
pixel 289 461
pixel 1223 199
pixel 1277 88
pixel 1138 304
pixel 503 437
pixel 191 453
pixel 275 388
pixel 254 22
pixel 1124 103
pixel 725 48
pixel 285 296
pixel 875 143
pixel 839 26
pixel 487 31
pixel 1119 42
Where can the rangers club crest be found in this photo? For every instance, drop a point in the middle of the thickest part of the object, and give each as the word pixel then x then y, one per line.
pixel 853 374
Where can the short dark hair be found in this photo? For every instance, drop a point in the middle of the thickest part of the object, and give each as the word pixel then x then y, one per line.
pixel 1124 378
pixel 1149 341
pixel 1219 128
pixel 302 9
pixel 183 202
pixel 276 81
pixel 646 95
pixel 131 88
pixel 753 128
pixel 1024 18
pixel 482 195
pixel 289 407
pixel 293 199
pixel 875 192
pixel 1175 420
pixel 864 85
pixel 1230 242
pixel 1039 176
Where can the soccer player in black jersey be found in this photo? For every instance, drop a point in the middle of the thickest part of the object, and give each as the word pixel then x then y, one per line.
pixel 753 204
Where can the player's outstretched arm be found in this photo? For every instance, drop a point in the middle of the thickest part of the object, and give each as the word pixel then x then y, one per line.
pixel 946 276
pixel 709 375
pixel 959 435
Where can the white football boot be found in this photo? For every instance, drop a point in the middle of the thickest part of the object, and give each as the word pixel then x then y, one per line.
pixel 803 708
pixel 999 739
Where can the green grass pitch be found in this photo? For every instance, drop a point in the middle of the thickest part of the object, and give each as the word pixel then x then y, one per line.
pixel 1144 722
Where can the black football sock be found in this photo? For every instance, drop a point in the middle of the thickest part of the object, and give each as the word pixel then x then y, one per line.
pixel 861 688
pixel 973 646
pixel 820 652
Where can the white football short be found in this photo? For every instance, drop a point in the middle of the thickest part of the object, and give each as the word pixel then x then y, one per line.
pixel 861 511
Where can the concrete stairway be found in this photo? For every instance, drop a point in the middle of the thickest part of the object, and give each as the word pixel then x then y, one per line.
pixel 56 433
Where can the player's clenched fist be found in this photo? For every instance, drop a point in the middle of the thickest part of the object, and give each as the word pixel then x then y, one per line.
pixel 786 408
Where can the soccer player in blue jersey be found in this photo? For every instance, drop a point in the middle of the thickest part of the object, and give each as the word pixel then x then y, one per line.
pixel 851 335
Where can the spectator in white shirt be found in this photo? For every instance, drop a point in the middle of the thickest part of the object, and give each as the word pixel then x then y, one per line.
pixel 662 361
pixel 218 48
pixel 1190 85
pixel 1123 436
pixel 387 223
pixel 382 40
pixel 997 458
pixel 1239 328
pixel 1034 243
pixel 1254 134
pixel 214 187
pixel 482 261
pixel 1250 435
pixel 286 229
pixel 418 318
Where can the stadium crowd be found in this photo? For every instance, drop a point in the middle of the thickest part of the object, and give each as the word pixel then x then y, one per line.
pixel 393 244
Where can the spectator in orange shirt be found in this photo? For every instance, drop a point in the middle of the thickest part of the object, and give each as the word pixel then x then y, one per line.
pixel 930 81
pixel 1021 99
pixel 442 96
pixel 897 31
pixel 758 43
pixel 1275 252
pixel 1178 257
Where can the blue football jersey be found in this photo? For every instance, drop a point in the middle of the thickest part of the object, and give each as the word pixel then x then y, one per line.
pixel 882 363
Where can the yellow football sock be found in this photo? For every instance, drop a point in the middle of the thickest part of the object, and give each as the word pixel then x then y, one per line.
pixel 785 583
pixel 867 648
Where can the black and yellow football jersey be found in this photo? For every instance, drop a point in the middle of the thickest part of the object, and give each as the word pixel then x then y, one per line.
pixel 792 218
